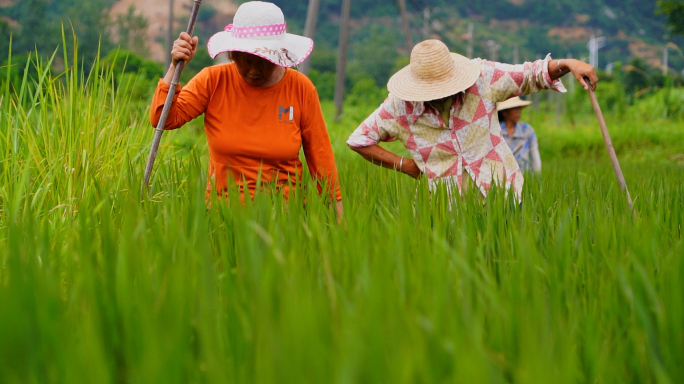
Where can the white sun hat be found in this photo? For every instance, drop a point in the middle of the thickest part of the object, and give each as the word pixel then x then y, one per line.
pixel 433 73
pixel 259 29
pixel 513 102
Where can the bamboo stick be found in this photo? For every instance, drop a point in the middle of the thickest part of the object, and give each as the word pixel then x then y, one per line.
pixel 609 144
pixel 159 130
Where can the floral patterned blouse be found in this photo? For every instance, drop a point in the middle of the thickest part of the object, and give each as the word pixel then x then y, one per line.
pixel 471 139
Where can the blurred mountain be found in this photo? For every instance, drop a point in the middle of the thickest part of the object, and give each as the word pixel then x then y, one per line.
pixel 533 28
pixel 502 29
pixel 213 17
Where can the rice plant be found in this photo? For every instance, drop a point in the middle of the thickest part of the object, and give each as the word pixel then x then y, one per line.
pixel 100 283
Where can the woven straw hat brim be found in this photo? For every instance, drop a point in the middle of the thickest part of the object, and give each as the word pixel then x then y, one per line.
pixel 513 102
pixel 286 51
pixel 406 86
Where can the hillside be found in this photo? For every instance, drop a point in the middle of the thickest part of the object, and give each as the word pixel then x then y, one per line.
pixel 531 28
pixel 563 27
pixel 157 13
pixel 630 27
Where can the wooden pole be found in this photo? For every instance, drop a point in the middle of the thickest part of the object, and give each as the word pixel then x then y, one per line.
pixel 310 31
pixel 609 144
pixel 342 57
pixel 159 130
pixel 407 27
pixel 169 35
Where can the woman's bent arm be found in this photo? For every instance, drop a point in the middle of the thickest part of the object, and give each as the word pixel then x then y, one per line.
pixel 384 158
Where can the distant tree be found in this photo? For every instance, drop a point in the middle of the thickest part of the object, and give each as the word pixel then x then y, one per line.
pixel 131 31
pixel 324 58
pixel 674 10
pixel 17 68
pixel 537 40
pixel 89 20
pixel 5 30
pixel 323 67
pixel 124 61
pixel 206 13
pixel 40 23
pixel 324 82
pixel 374 55
pixel 636 76
pixel 35 31
pixel 365 92
pixel 138 74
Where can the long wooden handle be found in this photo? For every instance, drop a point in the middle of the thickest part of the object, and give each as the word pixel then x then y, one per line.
pixel 159 130
pixel 609 143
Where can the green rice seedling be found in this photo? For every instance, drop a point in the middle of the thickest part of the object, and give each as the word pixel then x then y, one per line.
pixel 99 283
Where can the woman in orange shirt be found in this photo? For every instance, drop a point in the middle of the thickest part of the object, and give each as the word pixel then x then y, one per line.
pixel 258 113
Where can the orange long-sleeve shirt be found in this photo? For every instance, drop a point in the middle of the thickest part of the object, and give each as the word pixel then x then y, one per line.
pixel 252 129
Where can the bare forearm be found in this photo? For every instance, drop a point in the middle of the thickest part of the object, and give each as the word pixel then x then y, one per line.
pixel 379 156
pixel 559 68
pixel 168 77
pixel 580 70
pixel 384 158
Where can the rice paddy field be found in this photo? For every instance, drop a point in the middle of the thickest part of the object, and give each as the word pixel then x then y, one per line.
pixel 100 283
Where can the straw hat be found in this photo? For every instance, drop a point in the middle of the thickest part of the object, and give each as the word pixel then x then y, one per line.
pixel 513 102
pixel 259 28
pixel 433 73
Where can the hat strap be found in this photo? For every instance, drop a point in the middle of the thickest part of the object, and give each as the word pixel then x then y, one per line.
pixel 256 30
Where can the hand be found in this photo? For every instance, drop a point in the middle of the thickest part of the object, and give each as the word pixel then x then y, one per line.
pixel 184 48
pixel 583 71
pixel 411 168
pixel 339 207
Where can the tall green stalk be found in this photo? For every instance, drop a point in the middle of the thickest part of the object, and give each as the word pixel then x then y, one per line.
pixel 101 284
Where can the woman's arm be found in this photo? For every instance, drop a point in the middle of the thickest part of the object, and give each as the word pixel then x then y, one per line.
pixel 189 102
pixel 561 67
pixel 316 144
pixel 320 158
pixel 384 158
pixel 184 48
pixel 508 80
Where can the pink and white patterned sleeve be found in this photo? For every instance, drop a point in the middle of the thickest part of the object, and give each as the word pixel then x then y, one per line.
pixel 508 80
pixel 376 128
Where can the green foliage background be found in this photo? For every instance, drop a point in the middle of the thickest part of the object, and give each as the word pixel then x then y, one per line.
pixel 377 47
pixel 100 282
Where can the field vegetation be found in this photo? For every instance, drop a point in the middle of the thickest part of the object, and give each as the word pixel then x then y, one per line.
pixel 101 282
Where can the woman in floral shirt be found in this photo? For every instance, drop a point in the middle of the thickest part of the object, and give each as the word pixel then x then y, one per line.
pixel 442 107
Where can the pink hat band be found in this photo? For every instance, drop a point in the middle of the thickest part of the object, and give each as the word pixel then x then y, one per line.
pixel 256 30
pixel 259 29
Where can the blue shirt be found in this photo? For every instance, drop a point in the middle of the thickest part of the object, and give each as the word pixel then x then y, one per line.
pixel 524 146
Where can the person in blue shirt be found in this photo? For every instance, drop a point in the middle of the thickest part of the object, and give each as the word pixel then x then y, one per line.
pixel 519 135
